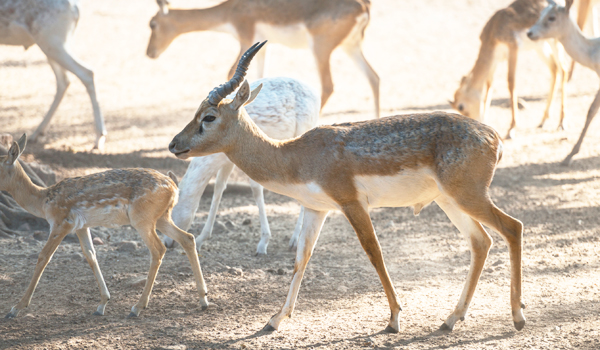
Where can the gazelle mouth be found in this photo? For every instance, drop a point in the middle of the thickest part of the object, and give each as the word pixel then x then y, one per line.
pixel 177 154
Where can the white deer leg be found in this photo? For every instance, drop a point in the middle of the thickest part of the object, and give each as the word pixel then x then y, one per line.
pixel 62 83
pixel 220 185
pixel 261 62
pixel 191 187
pixel 311 227
pixel 257 192
pixel 85 240
pixel 294 240
pixel 354 50
pixel 59 53
pixel 480 243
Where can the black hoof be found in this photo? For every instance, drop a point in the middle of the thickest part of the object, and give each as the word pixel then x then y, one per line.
pixel 204 307
pixel 523 306
pixel 519 325
pixel 445 327
pixel 97 314
pixel 9 315
pixel 390 329
pixel 268 328
pixel 131 315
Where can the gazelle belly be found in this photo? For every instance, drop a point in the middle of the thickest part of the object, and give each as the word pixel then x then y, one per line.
pixel 113 214
pixel 408 188
pixel 294 35
pixel 310 195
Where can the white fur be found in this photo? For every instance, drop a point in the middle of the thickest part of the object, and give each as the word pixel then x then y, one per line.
pixel 284 108
pixel 295 36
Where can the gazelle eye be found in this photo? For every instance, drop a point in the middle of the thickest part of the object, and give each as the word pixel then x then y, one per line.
pixel 152 25
pixel 551 18
pixel 209 118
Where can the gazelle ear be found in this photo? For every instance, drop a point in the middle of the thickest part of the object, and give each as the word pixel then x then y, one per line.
pixel 568 4
pixel 253 94
pixel 242 96
pixel 13 154
pixel 164 6
pixel 22 143
pixel 551 3
pixel 173 177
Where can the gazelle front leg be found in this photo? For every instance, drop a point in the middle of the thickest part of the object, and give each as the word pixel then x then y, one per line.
pixel 590 116
pixel 56 236
pixel 294 240
pixel 514 103
pixel 259 198
pixel 85 240
pixel 361 222
pixel 479 243
pixel 311 227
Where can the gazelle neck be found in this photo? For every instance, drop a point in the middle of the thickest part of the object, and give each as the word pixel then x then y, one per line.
pixel 484 66
pixel 577 45
pixel 200 19
pixel 27 194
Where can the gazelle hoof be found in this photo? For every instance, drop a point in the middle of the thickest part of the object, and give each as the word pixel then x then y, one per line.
pixel 97 313
pixel 519 325
pixel 390 329
pixel 268 328
pixel 132 315
pixel 10 315
pixel 204 307
pixel 567 161
pixel 445 327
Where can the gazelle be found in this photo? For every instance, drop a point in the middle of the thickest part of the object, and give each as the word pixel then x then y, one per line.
pixel 554 22
pixel 397 161
pixel 50 24
pixel 138 197
pixel 319 25
pixel 286 108
pixel 502 37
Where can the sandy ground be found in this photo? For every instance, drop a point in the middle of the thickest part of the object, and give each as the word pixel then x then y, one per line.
pixel 420 50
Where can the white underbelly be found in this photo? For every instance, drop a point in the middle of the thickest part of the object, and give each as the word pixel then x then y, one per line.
pixel 294 35
pixel 310 195
pixel 109 215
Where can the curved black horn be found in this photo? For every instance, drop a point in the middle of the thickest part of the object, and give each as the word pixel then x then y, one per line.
pixel 219 93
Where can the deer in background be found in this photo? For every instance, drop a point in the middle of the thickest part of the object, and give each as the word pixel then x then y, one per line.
pixel 285 108
pixel 316 24
pixel 502 37
pixel 554 22
pixel 50 24
pixel 399 161
pixel 141 198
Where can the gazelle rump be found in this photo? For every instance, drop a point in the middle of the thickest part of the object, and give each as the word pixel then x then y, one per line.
pixel 141 198
pixel 554 22
pixel 50 24
pixel 502 37
pixel 321 26
pixel 408 160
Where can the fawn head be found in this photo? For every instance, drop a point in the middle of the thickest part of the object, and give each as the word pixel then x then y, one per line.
pixel 552 21
pixel 163 31
pixel 8 163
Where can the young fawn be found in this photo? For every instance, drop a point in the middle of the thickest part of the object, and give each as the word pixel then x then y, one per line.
pixel 141 198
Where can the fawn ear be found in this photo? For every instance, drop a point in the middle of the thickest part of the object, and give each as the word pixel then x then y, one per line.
pixel 22 143
pixel 13 154
pixel 253 94
pixel 242 96
pixel 164 6
pixel 173 177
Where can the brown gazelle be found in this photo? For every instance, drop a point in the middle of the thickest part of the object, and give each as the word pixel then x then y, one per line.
pixel 502 37
pixel 554 22
pixel 319 25
pixel 141 198
pixel 398 161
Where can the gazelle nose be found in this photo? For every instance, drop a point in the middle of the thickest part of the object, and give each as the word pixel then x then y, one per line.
pixel 530 34
pixel 173 146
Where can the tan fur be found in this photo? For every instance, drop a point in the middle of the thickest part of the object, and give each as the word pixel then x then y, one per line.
pixel 142 198
pixel 434 156
pixel 330 24
pixel 473 97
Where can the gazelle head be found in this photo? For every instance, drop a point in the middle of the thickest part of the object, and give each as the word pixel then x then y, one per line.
pixel 552 21
pixel 468 101
pixel 163 32
pixel 210 131
pixel 9 165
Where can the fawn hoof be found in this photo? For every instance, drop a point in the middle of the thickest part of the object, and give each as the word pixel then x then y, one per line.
pixel 390 329
pixel 567 161
pixel 132 315
pixel 10 315
pixel 97 313
pixel 268 328
pixel 204 307
pixel 519 325
pixel 445 327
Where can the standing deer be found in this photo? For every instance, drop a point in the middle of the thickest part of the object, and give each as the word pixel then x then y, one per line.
pixel 138 197
pixel 554 22
pixel 50 24
pixel 503 36
pixel 316 24
pixel 398 161
pixel 286 108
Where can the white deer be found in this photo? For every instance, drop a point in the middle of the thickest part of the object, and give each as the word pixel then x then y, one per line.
pixel 398 161
pixel 554 22
pixel 502 37
pixel 285 108
pixel 50 24
pixel 319 25
pixel 141 198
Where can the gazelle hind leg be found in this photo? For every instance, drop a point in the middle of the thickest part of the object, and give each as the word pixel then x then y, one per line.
pixel 157 251
pixel 186 240
pixel 354 51
pixel 220 185
pixel 259 198
pixel 479 243
pixel 56 236
pixel 85 240
pixel 311 227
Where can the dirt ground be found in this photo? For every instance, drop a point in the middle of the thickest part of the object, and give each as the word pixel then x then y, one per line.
pixel 420 49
